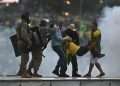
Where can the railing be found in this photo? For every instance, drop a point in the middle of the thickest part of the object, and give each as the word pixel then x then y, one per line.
pixel 17 81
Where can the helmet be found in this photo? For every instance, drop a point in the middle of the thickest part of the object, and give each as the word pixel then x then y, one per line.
pixel 44 22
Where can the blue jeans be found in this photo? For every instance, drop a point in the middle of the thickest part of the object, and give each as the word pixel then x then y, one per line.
pixel 62 63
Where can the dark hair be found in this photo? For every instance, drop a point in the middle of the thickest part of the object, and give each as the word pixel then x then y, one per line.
pixel 95 23
pixel 25 15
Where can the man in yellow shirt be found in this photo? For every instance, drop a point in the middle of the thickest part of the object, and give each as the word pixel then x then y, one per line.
pixel 96 50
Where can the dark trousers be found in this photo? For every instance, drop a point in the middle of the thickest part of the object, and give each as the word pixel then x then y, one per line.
pixel 74 64
pixel 24 56
pixel 82 51
pixel 62 63
pixel 36 59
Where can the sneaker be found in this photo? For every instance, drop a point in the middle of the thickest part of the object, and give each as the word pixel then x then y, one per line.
pixel 76 75
pixel 55 72
pixel 64 75
pixel 102 74
pixel 87 75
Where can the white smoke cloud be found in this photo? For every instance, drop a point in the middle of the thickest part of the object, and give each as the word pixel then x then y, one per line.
pixel 110 27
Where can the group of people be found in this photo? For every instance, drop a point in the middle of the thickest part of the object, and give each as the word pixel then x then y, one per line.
pixel 64 42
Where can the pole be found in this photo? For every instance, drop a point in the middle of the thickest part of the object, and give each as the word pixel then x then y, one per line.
pixel 81 3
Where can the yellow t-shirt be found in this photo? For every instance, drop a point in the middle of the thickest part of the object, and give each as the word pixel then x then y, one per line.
pixel 72 48
pixel 96 34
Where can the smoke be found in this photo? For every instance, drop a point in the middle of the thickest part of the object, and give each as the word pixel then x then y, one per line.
pixel 109 24
pixel 8 63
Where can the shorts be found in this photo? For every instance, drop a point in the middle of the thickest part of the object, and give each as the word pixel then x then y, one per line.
pixel 93 60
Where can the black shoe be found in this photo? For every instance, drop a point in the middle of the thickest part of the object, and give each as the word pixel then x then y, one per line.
pixel 56 72
pixel 102 74
pixel 100 55
pixel 25 75
pixel 30 72
pixel 76 75
pixel 87 75
pixel 64 75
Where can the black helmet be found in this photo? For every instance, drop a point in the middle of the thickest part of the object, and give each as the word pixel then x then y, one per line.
pixel 44 22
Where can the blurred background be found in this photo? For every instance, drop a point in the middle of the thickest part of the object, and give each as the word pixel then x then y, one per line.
pixel 11 9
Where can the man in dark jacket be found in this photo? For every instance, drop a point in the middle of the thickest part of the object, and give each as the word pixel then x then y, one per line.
pixel 72 32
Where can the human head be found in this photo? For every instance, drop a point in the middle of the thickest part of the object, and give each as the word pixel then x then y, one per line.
pixel 25 17
pixel 94 25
